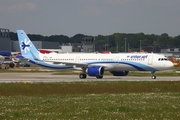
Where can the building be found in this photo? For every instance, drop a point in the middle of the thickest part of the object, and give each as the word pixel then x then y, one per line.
pixel 37 44
pixel 172 52
pixel 71 47
pixel 5 42
pixel 88 44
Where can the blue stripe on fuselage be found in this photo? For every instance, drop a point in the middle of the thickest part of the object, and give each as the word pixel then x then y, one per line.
pixel 138 66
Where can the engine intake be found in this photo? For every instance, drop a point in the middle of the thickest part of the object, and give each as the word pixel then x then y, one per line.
pixel 95 71
pixel 120 73
pixel 11 65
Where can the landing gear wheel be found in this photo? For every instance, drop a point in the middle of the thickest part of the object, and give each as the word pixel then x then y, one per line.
pixel 82 76
pixel 99 77
pixel 154 77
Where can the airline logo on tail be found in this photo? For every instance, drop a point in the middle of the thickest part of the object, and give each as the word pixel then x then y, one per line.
pixel 25 45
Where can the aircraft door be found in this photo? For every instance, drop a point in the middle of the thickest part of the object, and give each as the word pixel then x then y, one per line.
pixel 116 59
pixel 150 60
pixel 77 59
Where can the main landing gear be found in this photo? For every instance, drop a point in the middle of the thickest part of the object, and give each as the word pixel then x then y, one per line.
pixel 82 76
pixel 153 75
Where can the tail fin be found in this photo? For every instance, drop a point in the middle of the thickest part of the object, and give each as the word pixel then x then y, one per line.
pixel 28 50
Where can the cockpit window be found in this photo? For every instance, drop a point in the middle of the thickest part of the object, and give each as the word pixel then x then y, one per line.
pixel 162 59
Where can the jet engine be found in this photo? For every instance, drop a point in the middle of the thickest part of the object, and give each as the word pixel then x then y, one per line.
pixel 95 71
pixel 120 73
pixel 11 65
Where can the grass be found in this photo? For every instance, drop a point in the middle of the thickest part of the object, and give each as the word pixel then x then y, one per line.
pixel 91 100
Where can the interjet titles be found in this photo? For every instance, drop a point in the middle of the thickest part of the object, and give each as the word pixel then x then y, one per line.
pixel 137 56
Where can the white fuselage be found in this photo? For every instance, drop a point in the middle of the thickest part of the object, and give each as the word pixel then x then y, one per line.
pixel 111 62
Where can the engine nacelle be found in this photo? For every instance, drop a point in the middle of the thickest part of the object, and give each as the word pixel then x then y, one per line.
pixel 11 65
pixel 95 71
pixel 120 73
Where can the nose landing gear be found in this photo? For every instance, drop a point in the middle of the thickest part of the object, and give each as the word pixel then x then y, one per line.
pixel 153 75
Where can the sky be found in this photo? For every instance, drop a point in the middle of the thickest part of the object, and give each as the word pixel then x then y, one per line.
pixel 91 17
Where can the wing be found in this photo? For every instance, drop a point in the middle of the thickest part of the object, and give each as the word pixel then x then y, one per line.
pixel 85 65
pixel 70 64
pixel 7 62
pixel 22 59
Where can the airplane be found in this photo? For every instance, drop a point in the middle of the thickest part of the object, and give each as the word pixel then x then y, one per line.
pixel 6 63
pixel 119 64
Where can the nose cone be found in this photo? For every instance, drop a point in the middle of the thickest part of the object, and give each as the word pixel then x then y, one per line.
pixel 169 65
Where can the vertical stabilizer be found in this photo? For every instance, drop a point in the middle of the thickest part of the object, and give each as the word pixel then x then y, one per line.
pixel 28 50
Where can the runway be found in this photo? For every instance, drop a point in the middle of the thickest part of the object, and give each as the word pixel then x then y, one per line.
pixel 48 77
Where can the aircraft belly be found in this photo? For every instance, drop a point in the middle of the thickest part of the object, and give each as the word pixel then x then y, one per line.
pixel 124 67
